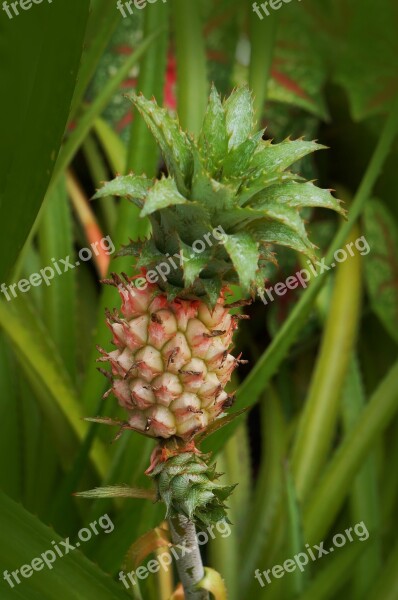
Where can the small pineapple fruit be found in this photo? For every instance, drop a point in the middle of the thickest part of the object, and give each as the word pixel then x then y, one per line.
pixel 172 362
pixel 173 336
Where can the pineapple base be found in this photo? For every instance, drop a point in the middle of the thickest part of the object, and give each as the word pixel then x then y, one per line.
pixel 188 484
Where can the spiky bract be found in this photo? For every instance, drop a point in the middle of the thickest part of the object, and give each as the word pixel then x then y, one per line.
pixel 189 486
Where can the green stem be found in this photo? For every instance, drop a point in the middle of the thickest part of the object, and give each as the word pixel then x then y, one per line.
pixel 142 147
pixel 262 38
pixel 191 64
pixel 319 417
pixel 364 496
pixel 234 462
pixel 328 497
pixel 261 531
pixel 386 586
pixel 98 172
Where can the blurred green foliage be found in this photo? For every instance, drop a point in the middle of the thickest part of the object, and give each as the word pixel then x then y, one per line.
pixel 319 451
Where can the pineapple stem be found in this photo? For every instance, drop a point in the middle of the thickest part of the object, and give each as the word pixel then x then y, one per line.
pixel 189 566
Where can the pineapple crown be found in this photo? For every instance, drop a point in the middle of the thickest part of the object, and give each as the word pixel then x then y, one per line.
pixel 228 181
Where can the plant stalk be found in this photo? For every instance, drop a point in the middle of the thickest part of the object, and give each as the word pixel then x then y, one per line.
pixel 262 39
pixel 192 88
pixel 189 565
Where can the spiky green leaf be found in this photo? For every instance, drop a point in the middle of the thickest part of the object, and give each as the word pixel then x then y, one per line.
pixel 278 157
pixel 212 289
pixel 117 491
pixel 132 187
pixel 281 213
pixel 259 181
pixel 150 255
pixel 297 195
pixel 173 142
pixel 208 191
pixel 238 160
pixel 282 235
pixel 162 195
pixel 213 138
pixel 243 250
pixel 131 249
pixel 192 263
pixel 239 116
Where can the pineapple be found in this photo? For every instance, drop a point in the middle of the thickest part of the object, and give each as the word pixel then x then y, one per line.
pixel 172 362
pixel 228 200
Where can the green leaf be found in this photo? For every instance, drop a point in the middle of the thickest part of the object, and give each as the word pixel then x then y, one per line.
pixel 46 46
pixel 23 538
pixel 300 64
pixel 368 72
pixel 243 251
pixel 213 139
pixel 132 187
pixel 365 495
pixel 117 491
pixel 95 109
pixel 278 157
pixel 22 325
pixel 10 448
pixel 215 196
pixel 213 289
pixel 142 151
pixel 239 116
pixel 385 586
pixel 329 581
pixel 295 532
pixel 162 195
pixel 381 264
pixel 276 211
pixel 173 142
pixel 320 416
pixel 101 25
pixel 282 235
pixel 256 182
pixel 59 300
pixel 237 161
pixel 267 497
pixel 297 195
pixel 330 493
pixel 193 264
pixel 148 254
pixel 113 146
